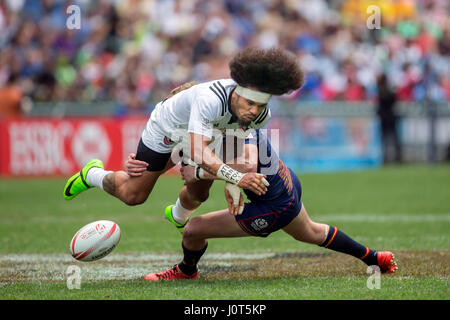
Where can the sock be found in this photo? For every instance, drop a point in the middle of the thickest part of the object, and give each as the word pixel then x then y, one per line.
pixel 179 213
pixel 189 264
pixel 338 241
pixel 95 176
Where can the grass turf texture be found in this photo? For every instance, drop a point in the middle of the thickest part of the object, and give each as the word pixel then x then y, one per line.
pixel 404 209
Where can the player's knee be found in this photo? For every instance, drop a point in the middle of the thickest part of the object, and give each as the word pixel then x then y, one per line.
pixel 133 202
pixel 312 233
pixel 316 233
pixel 135 199
pixel 187 233
pixel 190 231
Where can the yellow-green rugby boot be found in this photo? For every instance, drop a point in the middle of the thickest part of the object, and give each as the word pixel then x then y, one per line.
pixel 168 216
pixel 77 183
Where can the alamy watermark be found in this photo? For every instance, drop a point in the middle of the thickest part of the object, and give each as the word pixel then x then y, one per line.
pixel 73 274
pixel 374 19
pixel 374 280
pixel 73 20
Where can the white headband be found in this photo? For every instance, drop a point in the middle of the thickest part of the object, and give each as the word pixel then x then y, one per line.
pixel 253 95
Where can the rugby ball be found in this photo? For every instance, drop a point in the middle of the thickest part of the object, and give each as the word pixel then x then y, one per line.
pixel 95 240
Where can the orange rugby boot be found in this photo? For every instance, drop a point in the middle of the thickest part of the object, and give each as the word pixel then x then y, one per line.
pixel 173 273
pixel 386 262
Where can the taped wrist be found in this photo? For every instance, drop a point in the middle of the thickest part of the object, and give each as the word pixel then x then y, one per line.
pixel 229 174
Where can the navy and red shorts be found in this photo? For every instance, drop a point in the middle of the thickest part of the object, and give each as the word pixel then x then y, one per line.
pixel 261 218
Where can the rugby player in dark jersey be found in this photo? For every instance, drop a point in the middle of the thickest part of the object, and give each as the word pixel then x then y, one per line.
pixel 280 207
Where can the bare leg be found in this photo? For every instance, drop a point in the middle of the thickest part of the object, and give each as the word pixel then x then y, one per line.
pixel 218 224
pixel 302 228
pixel 132 190
pixel 193 194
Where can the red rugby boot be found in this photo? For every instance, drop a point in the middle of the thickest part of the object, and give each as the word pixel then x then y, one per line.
pixel 386 262
pixel 173 273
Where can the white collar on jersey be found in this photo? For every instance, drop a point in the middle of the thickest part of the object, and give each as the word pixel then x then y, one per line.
pixel 253 95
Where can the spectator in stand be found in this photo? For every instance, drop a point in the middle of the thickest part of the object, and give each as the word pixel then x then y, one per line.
pixel 10 99
pixel 386 112
pixel 126 52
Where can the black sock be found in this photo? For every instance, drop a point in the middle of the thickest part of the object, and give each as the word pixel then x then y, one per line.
pixel 189 264
pixel 338 241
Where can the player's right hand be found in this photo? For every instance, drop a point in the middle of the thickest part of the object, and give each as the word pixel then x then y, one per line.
pixel 133 167
pixel 255 182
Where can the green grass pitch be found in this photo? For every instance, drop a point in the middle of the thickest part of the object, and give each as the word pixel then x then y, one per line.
pixel 405 209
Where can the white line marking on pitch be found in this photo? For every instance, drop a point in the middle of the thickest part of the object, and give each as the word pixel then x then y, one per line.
pixel 126 257
pixel 350 217
pixel 127 266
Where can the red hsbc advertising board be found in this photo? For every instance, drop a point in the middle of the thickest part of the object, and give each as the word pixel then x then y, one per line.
pixel 48 146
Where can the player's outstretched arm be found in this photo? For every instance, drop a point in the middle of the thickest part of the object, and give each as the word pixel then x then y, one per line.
pixel 206 159
pixel 245 161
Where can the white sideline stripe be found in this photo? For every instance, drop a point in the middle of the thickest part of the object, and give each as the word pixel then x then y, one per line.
pixel 350 217
pixel 376 217
pixel 52 267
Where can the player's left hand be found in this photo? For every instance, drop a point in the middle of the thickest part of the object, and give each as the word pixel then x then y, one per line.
pixel 133 167
pixel 234 199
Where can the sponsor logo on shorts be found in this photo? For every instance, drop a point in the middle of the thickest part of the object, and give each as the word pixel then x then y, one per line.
pixel 259 224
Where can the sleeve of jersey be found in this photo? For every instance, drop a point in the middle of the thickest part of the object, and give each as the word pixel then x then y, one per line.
pixel 202 117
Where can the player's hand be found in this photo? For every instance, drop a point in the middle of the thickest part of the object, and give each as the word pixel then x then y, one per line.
pixel 133 167
pixel 188 173
pixel 234 198
pixel 255 182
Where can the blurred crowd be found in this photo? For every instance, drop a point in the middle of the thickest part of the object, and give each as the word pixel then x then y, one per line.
pixel 134 52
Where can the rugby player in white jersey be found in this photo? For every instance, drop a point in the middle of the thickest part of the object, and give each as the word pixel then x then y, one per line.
pixel 189 118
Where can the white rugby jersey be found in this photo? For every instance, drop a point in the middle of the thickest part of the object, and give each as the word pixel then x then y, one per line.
pixel 200 109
